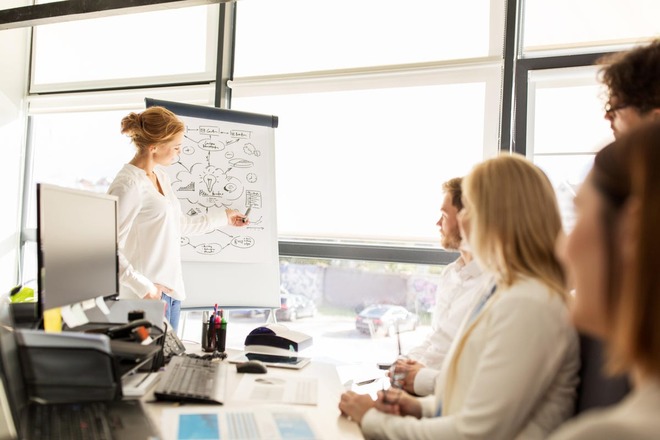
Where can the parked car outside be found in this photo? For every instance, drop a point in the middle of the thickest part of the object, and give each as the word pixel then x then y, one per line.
pixel 383 318
pixel 247 313
pixel 294 306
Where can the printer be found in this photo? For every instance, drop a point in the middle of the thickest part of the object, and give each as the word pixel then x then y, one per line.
pixel 273 338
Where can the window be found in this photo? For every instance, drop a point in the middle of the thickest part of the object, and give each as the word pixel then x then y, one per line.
pixel 566 128
pixel 372 170
pixel 340 289
pixel 580 26
pixel 158 47
pixel 314 35
pixel 564 122
pixel 9 4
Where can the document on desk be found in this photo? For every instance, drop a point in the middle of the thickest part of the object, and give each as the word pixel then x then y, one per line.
pixel 362 379
pixel 359 375
pixel 276 389
pixel 248 423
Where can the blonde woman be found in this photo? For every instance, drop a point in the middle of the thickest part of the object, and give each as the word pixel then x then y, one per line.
pixel 512 371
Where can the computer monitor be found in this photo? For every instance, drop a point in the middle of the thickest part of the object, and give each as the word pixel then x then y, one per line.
pixel 77 246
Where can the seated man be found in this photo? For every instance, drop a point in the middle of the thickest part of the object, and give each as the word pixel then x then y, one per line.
pixel 460 284
pixel 633 87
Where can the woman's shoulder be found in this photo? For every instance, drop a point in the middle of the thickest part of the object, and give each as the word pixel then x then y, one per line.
pixel 533 300
pixel 529 289
pixel 531 309
pixel 127 177
pixel 129 171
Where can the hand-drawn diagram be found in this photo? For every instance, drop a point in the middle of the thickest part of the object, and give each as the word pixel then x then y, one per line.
pixel 224 166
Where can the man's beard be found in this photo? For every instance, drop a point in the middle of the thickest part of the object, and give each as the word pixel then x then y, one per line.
pixel 451 242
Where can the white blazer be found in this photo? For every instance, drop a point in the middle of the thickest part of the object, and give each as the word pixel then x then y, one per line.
pixel 511 374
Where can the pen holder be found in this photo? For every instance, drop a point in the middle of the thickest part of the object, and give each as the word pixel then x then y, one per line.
pixel 214 333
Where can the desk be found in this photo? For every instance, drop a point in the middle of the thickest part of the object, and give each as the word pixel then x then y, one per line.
pixel 325 417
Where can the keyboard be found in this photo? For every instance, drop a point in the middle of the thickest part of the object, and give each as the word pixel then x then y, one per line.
pixel 193 380
pixel 70 421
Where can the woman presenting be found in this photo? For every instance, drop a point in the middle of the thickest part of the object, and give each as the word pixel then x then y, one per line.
pixel 150 221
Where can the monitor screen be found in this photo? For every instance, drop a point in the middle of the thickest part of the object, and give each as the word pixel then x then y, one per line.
pixel 77 242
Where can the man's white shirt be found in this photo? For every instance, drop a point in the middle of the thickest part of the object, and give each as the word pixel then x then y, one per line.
pixel 458 287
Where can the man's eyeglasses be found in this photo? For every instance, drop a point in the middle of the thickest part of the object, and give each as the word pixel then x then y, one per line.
pixel 610 109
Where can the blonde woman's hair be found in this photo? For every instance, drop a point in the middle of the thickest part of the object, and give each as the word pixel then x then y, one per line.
pixel 514 221
pixel 155 125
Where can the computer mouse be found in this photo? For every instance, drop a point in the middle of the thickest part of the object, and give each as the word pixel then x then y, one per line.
pixel 252 367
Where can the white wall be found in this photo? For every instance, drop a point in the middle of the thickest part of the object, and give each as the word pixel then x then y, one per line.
pixel 13 85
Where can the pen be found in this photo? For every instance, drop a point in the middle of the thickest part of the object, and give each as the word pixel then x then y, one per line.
pixel 245 217
pixel 211 332
pixel 366 382
pixel 216 326
pixel 221 333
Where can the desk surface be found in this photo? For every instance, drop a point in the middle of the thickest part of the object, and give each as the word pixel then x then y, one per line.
pixel 325 417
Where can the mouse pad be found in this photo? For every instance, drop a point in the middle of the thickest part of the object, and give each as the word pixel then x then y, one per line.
pixel 272 360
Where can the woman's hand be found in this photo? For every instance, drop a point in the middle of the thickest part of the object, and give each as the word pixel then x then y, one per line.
pixel 354 406
pixel 398 402
pixel 160 289
pixel 235 218
pixel 409 369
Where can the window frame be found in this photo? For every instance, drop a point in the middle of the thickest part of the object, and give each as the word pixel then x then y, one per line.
pixel 524 67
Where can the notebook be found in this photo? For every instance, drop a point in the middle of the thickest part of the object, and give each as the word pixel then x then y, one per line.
pixel 116 419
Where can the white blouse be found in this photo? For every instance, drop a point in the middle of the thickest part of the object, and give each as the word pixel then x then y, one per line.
pixel 150 226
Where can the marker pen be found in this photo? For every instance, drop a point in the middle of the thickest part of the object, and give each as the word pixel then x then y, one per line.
pixel 218 335
pixel 245 217
pixel 222 334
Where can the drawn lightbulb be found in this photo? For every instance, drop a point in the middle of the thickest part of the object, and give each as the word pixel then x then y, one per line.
pixel 210 181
